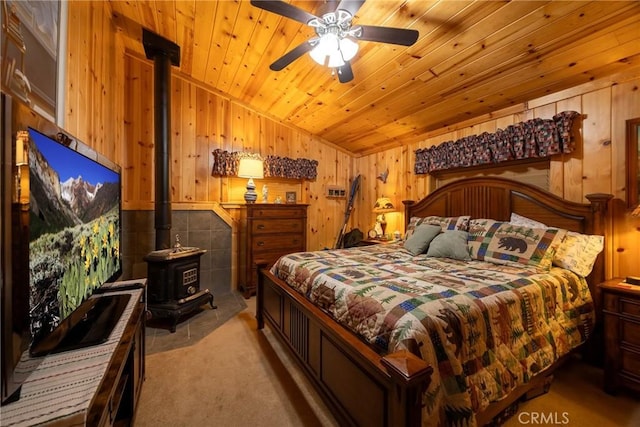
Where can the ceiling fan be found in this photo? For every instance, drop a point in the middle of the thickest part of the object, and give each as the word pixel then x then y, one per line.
pixel 336 38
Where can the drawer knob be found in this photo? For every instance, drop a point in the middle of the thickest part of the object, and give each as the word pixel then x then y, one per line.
pixel 260 243
pixel 260 227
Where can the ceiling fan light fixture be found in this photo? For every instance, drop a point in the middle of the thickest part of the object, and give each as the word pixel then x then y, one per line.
pixel 335 61
pixel 326 50
pixel 349 48
pixel 333 51
pixel 336 41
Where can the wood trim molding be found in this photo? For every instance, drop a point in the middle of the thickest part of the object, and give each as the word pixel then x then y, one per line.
pixel 632 155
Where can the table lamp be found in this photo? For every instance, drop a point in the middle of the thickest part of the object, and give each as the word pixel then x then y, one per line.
pixel 383 205
pixel 251 167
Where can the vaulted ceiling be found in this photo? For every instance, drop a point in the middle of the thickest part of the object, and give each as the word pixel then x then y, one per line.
pixel 471 58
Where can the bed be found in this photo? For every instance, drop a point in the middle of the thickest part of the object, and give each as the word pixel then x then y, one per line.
pixel 388 337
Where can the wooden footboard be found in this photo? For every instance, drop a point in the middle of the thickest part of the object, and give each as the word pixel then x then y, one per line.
pixel 360 386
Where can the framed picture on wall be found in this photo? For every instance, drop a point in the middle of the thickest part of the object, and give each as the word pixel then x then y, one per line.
pixel 290 197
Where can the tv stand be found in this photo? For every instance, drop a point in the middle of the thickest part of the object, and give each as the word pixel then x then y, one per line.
pixel 117 398
pixel 111 373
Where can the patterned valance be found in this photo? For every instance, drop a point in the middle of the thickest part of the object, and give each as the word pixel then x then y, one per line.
pixel 226 164
pixel 524 140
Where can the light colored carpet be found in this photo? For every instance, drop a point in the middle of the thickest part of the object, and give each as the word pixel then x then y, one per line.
pixel 193 326
pixel 234 376
pixel 576 398
pixel 238 376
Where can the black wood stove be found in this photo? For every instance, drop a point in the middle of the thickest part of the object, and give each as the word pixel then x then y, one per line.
pixel 173 282
pixel 173 273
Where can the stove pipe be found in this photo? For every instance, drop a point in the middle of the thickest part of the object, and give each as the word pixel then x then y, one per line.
pixel 164 54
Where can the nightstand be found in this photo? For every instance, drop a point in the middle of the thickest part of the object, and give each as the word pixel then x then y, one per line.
pixel 621 308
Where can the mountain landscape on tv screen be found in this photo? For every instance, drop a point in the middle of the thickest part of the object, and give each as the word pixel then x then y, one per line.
pixel 57 205
pixel 74 247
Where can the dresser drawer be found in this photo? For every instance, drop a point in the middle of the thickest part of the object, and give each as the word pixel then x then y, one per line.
pixel 630 332
pixel 264 226
pixel 631 362
pixel 277 243
pixel 278 212
pixel 630 307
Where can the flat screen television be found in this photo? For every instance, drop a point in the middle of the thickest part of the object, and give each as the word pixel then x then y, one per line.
pixel 74 245
pixel 60 233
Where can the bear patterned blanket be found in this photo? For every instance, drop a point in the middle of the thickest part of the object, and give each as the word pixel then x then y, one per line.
pixel 485 328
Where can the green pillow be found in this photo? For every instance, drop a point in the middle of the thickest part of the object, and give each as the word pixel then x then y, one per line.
pixel 450 244
pixel 423 234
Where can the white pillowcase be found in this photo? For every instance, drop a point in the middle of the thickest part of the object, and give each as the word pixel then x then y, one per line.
pixel 578 252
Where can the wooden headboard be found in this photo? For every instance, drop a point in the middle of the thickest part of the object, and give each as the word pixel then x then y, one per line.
pixel 497 198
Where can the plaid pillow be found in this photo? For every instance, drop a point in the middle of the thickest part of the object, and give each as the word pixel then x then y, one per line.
pixel 505 243
pixel 445 222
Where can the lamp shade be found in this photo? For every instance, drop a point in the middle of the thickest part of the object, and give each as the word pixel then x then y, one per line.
pixel 333 51
pixel 250 167
pixel 383 204
pixel 21 154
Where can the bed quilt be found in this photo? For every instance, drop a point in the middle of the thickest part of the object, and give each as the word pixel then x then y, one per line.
pixel 485 328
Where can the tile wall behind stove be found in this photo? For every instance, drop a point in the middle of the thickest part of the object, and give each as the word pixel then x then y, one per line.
pixel 203 229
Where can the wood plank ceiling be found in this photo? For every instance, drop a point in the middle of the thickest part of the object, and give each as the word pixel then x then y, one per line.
pixel 471 58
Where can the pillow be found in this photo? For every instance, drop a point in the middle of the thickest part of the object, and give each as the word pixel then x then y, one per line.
pixel 445 222
pixel 421 237
pixel 505 243
pixel 527 222
pixel 578 252
pixel 450 244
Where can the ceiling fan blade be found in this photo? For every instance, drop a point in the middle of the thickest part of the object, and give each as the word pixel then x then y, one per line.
pixel 345 73
pixel 392 35
pixel 351 6
pixel 291 56
pixel 284 9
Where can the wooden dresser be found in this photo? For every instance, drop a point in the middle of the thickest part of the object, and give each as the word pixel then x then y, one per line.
pixel 622 335
pixel 268 231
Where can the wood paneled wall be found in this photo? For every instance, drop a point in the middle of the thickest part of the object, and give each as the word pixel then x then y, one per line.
pixel 109 106
pixel 94 98
pixel 597 166
pixel 202 121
